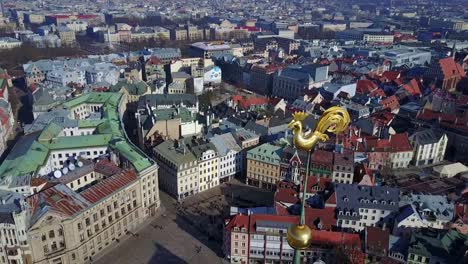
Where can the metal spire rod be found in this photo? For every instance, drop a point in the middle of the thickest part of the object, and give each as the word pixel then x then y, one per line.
pixel 333 120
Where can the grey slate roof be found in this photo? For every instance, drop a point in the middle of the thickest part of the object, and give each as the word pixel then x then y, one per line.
pixel 438 204
pixel 424 137
pixel 167 99
pixel 351 197
pixel 224 143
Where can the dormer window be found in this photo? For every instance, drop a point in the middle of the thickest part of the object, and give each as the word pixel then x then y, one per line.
pixel 375 201
pixel 236 228
pixel 392 203
pixel 346 199
pixel 243 229
pixel 384 202
pixel 340 213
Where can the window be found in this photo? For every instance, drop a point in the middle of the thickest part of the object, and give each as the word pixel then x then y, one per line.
pixel 51 234
pixel 87 221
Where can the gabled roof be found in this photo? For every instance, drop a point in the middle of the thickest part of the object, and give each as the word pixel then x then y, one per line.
pixel 377 240
pixel 365 86
pixel 109 186
pixel 320 218
pixel 59 199
pixel 390 102
pixel 424 137
pixel 450 68
pixel 413 87
pixel 240 221
pixel 289 196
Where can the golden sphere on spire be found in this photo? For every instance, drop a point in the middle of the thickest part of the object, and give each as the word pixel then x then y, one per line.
pixel 299 236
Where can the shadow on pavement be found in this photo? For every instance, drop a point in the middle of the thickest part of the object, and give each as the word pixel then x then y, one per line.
pixel 163 255
pixel 195 226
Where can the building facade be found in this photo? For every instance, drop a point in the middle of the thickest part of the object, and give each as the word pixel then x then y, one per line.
pixel 263 166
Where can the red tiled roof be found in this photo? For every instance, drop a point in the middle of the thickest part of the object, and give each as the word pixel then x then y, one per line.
pixel 344 159
pixel 450 68
pixel 285 185
pixel 428 115
pixel 250 29
pixel 58 198
pixel 108 186
pixel 60 16
pixel 322 237
pixel 87 16
pixel 365 86
pixel 413 87
pixel 400 142
pixel 245 103
pixel 377 240
pixel 390 75
pixel 239 220
pixel 383 117
pixel 107 168
pixel 154 61
pixel 322 184
pixel 286 196
pixel 326 216
pixel 396 143
pixel 390 102
pixel 281 209
pixel 37 181
pixel 322 156
pixel 331 199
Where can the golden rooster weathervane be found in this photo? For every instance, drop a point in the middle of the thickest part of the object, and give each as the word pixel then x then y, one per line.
pixel 333 120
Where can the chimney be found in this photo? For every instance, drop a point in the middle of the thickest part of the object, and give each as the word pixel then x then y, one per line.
pixel 384 227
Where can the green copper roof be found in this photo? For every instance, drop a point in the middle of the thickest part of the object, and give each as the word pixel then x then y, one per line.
pixel 266 153
pixel 80 142
pixel 29 163
pixel 168 114
pixel 93 98
pixel 108 133
pixel 449 245
pixel 89 123
pixel 131 153
pixel 50 132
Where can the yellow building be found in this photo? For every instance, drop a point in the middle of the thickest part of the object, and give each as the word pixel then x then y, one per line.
pixel 263 166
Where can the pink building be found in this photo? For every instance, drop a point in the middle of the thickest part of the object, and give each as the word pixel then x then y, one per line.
pixel 236 239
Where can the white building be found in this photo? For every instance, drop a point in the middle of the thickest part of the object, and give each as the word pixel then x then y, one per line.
pixel 64 76
pixel 179 169
pixel 359 206
pixel 9 43
pixel 13 227
pixel 230 157
pixel 428 147
pixel 379 38
pixel 208 160
pixel 425 211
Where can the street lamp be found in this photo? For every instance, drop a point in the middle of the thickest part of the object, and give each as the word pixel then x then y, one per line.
pixel 333 120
